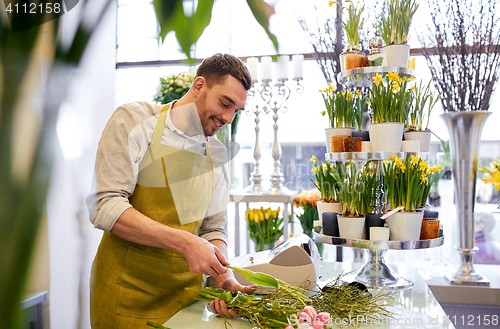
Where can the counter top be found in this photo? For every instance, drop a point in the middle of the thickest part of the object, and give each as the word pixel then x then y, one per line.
pixel 461 294
pixel 414 308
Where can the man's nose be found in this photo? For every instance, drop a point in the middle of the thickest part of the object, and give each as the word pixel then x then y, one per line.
pixel 228 117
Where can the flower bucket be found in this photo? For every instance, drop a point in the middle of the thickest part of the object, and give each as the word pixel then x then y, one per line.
pixel 423 136
pixel 386 137
pixel 397 55
pixel 405 226
pixel 351 227
pixel 328 207
pixel 329 132
pixel 330 224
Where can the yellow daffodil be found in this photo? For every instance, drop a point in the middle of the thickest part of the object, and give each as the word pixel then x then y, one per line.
pixel 358 93
pixel 323 113
pixel 314 170
pixel 313 158
pixel 320 91
pixel 494 178
pixel 403 167
pixel 348 95
pixel 378 78
pixel 412 78
pixel 395 87
pixel 323 166
pixel 424 179
pixel 414 159
pixel 393 76
pixel 331 2
pixel 424 165
pixel 413 88
pixel 398 160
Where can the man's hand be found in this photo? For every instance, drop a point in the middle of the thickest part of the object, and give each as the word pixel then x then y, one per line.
pixel 228 281
pixel 204 257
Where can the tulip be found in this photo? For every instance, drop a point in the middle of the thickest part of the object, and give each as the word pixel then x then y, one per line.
pixel 322 318
pixel 304 317
pixel 310 311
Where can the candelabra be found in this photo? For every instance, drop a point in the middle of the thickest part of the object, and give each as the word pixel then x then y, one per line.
pixel 274 98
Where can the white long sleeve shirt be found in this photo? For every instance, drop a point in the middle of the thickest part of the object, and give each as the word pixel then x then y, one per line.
pixel 123 144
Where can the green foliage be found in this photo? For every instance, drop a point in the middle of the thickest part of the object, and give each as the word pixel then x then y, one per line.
pixel 356 188
pixel 325 182
pixel 352 23
pixel 395 23
pixel 422 96
pixel 265 227
pixel 344 108
pixel 174 86
pixel 188 29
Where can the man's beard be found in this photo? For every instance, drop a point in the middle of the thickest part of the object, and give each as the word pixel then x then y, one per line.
pixel 200 107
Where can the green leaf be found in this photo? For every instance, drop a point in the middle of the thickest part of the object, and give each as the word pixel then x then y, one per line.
pixel 257 277
pixel 262 11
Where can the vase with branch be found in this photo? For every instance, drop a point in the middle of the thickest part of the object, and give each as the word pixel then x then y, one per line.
pixel 461 46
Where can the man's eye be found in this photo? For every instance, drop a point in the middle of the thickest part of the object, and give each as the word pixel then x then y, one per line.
pixel 224 104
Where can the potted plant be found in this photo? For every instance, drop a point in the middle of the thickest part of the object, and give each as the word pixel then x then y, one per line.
pixel 394 27
pixel 265 227
pixel 355 199
pixel 340 107
pixel 390 101
pixel 352 57
pixel 360 106
pixel 326 185
pixel 407 185
pixel 422 96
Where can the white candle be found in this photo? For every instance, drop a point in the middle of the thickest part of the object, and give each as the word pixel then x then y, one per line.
pixel 252 63
pixel 266 68
pixel 282 68
pixel 297 66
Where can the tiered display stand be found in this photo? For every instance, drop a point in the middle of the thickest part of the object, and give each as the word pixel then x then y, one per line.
pixel 375 273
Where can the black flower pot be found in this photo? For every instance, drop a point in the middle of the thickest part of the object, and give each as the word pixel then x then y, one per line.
pixel 373 220
pixel 431 214
pixel 330 224
pixel 364 134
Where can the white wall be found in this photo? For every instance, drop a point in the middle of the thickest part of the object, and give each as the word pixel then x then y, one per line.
pixel 72 238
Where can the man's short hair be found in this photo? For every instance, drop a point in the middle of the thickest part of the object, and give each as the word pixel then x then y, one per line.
pixel 215 68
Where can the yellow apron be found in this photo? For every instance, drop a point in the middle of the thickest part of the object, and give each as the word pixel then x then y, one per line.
pixel 131 283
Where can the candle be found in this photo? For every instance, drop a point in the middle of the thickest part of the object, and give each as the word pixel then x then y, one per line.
pixel 252 68
pixel 297 66
pixel 282 68
pixel 266 68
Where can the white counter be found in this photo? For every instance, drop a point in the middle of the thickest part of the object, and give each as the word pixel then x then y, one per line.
pixel 414 308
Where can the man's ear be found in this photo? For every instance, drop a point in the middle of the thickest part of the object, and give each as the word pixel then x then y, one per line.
pixel 198 84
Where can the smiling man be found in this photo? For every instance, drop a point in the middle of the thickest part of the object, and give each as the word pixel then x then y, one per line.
pixel 160 195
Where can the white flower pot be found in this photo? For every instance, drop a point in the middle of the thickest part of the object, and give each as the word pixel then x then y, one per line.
pixel 351 227
pixel 328 207
pixel 386 137
pixel 405 226
pixel 423 136
pixel 397 55
pixel 329 132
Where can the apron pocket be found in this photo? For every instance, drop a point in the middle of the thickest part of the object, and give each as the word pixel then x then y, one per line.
pixel 153 284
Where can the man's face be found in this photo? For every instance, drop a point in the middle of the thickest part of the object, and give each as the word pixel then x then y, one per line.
pixel 218 104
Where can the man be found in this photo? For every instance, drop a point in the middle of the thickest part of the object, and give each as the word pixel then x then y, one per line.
pixel 160 195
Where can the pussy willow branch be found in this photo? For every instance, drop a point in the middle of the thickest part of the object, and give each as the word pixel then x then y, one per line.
pixel 465 40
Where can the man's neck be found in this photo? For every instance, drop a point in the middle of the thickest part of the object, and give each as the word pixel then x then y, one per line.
pixel 185 117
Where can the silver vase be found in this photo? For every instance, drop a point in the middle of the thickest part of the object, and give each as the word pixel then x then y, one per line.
pixel 465 133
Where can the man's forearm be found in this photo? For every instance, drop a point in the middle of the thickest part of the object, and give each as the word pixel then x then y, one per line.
pixel 136 227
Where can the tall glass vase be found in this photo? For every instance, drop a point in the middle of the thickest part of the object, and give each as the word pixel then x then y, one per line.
pixel 465 133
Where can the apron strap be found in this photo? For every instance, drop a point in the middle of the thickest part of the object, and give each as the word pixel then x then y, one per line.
pixel 160 125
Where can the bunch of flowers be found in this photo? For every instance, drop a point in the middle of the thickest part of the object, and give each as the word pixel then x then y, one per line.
pixel 390 98
pixel 356 188
pixel 341 107
pixel 325 183
pixel 174 86
pixel 396 21
pixel 307 200
pixel 408 182
pixel 492 173
pixel 265 227
pixel 422 96
pixel 287 307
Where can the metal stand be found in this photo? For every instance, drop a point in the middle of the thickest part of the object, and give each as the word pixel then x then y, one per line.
pixel 256 178
pixel 466 275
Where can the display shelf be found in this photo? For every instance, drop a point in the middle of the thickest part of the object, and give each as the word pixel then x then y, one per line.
pixel 375 273
pixel 363 76
pixel 341 156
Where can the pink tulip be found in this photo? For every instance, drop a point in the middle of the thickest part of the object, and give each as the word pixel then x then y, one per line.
pixel 322 318
pixel 310 311
pixel 317 326
pixel 305 325
pixel 289 327
pixel 304 317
